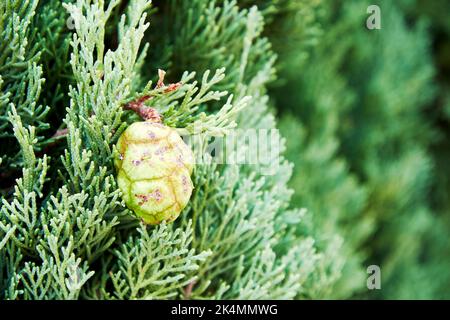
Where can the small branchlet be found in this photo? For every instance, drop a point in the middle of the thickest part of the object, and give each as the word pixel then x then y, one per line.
pixel 148 113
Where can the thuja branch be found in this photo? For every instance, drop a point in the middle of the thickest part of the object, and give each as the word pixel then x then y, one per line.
pixel 149 113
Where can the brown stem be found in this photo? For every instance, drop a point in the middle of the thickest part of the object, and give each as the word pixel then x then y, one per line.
pixel 149 113
pixel 60 133
pixel 188 290
pixel 146 113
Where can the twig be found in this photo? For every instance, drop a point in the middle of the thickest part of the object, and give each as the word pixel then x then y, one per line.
pixel 149 113
pixel 60 133
pixel 146 113
pixel 188 290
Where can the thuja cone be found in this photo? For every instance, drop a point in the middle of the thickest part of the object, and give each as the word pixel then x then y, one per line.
pixel 154 168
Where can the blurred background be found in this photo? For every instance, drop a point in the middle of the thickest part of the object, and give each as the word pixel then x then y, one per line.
pixel 366 118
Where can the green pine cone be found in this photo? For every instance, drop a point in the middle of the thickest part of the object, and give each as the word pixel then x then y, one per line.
pixel 154 166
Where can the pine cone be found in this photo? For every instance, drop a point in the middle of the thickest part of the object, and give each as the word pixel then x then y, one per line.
pixel 154 167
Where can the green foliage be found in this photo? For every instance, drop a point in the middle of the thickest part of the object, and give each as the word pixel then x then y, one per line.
pixel 154 265
pixel 386 140
pixel 20 74
pixel 69 235
pixel 435 243
pixel 362 157
pixel 368 182
pixel 238 214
